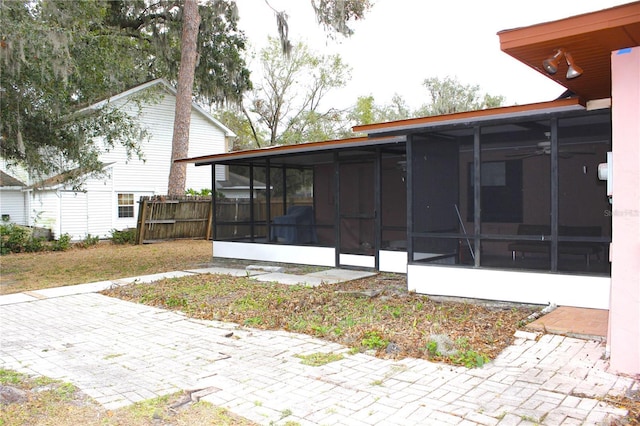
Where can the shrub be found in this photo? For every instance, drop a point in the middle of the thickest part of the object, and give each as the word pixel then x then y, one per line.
pixel 13 238
pixel 126 236
pixel 61 244
pixel 205 192
pixel 18 239
pixel 90 240
pixel 34 244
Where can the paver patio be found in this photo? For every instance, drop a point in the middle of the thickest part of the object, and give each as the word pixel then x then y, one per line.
pixel 120 352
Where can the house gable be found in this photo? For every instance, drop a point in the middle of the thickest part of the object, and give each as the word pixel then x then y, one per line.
pixel 94 208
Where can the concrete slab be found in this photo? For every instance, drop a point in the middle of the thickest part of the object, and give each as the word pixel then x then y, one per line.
pixel 144 279
pixel 340 275
pixel 226 271
pixel 46 293
pixel 265 268
pixel 9 299
pixel 290 279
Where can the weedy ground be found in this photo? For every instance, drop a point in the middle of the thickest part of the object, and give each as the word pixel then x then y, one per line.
pixel 43 401
pixel 376 314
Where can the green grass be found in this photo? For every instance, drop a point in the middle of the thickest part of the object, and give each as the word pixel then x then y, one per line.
pixel 320 358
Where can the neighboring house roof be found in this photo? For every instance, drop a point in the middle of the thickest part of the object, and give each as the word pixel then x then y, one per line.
pixel 590 38
pixel 168 87
pixel 8 180
pixel 58 180
pixel 236 181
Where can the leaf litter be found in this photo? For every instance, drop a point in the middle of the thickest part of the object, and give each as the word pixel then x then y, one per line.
pixel 371 314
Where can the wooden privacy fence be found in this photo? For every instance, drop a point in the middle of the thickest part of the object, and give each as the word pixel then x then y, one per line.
pixel 167 218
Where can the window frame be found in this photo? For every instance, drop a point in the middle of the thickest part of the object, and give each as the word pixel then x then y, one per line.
pixel 126 204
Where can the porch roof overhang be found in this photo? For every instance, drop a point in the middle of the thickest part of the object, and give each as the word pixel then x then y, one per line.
pixel 282 150
pixel 470 118
pixel 590 38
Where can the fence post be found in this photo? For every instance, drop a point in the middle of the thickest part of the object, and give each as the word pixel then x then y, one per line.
pixel 142 218
pixel 209 221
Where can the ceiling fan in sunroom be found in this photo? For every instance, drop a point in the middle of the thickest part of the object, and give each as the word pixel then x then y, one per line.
pixel 544 148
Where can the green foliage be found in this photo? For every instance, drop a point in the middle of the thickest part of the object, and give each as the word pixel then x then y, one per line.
pixel 126 236
pixel 394 311
pixel 205 192
pixel 285 107
pixel 459 353
pixel 470 359
pixel 462 343
pixel 253 321
pixel 432 348
pixel 445 95
pixel 374 340
pixel 202 193
pixel 10 377
pixel 61 244
pixel 35 244
pixel 65 391
pixel 58 57
pixel 335 14
pixel 321 330
pixel 13 238
pixel 448 96
pixel 90 240
pixel 19 239
pixel 366 111
pixel 175 302
pixel 233 116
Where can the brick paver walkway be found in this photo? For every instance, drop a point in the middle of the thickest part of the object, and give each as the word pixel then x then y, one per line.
pixel 120 352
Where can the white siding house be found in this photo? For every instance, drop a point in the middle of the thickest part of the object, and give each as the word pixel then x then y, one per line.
pixel 111 202
pixel 12 200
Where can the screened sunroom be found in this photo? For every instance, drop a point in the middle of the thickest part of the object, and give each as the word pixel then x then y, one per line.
pixel 509 190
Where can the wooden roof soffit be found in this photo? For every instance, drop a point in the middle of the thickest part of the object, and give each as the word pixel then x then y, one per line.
pixel 589 39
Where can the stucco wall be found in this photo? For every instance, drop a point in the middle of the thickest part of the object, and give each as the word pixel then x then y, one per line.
pixel 624 314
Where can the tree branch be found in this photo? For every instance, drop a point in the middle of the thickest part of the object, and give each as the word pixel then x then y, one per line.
pixel 253 129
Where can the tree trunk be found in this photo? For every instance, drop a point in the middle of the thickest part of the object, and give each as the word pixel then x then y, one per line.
pixel 182 121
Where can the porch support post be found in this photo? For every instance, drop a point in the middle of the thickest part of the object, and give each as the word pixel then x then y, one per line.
pixel 377 199
pixel 284 189
pixel 553 252
pixel 409 181
pixel 624 307
pixel 477 196
pixel 268 198
pixel 336 203
pixel 252 225
pixel 214 202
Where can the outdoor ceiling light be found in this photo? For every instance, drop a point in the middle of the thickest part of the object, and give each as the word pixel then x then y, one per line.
pixel 574 70
pixel 551 64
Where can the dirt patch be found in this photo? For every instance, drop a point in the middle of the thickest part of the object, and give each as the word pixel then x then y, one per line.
pixel 43 401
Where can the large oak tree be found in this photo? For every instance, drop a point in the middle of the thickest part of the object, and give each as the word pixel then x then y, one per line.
pixel 57 57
